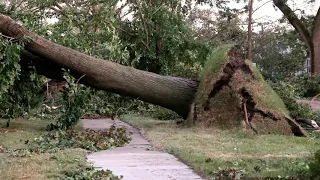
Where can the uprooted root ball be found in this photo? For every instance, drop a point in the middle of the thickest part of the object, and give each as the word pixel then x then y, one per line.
pixel 233 94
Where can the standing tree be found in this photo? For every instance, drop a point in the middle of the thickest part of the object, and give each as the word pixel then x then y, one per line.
pixel 250 11
pixel 271 53
pixel 310 37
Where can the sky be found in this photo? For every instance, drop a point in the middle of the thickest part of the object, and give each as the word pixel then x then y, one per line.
pixel 266 11
pixel 269 12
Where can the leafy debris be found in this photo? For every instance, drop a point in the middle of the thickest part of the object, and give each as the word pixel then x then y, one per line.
pixel 89 139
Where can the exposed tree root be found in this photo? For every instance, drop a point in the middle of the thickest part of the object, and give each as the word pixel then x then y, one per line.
pixel 233 95
pixel 248 125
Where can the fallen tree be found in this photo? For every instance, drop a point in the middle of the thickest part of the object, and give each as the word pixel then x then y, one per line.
pixel 170 92
pixel 226 89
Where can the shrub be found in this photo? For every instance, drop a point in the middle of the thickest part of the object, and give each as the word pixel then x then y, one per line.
pixel 106 103
pixel 74 104
pixel 163 113
pixel 22 97
pixel 290 93
pixel 308 85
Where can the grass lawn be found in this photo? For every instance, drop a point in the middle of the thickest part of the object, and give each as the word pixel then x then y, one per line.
pixel 208 150
pixel 38 166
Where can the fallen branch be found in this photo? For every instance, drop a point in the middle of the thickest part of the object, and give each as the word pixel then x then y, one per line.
pixel 314 124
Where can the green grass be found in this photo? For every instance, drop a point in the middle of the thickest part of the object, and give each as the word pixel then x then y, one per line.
pixel 207 150
pixel 217 59
pixel 266 97
pixel 211 69
pixel 38 166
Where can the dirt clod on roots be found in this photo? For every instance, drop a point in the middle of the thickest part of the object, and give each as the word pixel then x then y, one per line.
pixel 232 94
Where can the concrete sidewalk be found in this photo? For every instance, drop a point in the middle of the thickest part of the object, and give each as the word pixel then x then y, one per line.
pixel 136 161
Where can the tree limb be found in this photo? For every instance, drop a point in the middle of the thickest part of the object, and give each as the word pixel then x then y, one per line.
pixel 144 25
pixel 261 6
pixel 295 22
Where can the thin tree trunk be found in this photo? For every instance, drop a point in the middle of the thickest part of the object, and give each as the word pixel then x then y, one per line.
pixel 171 92
pixel 249 56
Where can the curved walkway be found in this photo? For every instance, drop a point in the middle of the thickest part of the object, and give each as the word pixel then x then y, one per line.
pixel 137 160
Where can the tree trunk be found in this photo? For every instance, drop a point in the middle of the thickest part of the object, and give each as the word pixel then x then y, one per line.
pixel 312 41
pixel 316 43
pixel 171 92
pixel 249 53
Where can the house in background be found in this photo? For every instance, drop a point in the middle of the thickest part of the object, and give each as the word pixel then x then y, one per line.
pixel 307 65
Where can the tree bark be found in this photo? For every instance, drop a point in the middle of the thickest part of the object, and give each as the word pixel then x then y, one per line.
pixel 316 42
pixel 171 92
pixel 249 54
pixel 311 41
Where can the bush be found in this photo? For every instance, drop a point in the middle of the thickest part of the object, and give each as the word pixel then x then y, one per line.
pixel 22 97
pixel 163 113
pixel 106 103
pixel 290 93
pixel 154 111
pixel 308 85
pixel 75 100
